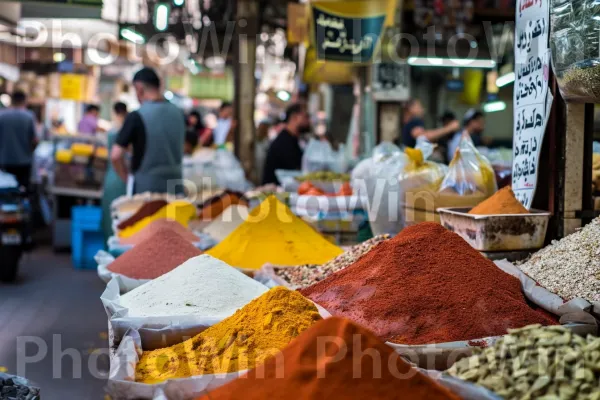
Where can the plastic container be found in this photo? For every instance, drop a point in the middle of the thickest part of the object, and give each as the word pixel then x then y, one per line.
pixel 511 232
pixel 86 236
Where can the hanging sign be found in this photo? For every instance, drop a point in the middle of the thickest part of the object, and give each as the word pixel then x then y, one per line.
pixel 72 87
pixel 391 81
pixel 531 98
pixel 348 34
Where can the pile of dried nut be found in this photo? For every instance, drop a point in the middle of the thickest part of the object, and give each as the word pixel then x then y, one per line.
pixel 571 267
pixel 302 276
pixel 536 363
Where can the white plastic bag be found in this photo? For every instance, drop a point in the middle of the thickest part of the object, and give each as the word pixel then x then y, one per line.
pixel 229 172
pixel 320 156
pixel 125 284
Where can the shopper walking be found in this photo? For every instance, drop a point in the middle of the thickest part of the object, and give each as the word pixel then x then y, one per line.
pixel 89 123
pixel 114 187
pixel 414 125
pixel 17 139
pixel 156 133
pixel 285 151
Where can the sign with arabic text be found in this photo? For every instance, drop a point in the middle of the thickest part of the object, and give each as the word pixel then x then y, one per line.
pixel 346 37
pixel 532 98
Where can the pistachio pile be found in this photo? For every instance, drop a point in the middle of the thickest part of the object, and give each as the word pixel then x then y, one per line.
pixel 302 276
pixel 571 267
pixel 549 363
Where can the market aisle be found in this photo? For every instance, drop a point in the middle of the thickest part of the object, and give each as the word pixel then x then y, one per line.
pixel 51 298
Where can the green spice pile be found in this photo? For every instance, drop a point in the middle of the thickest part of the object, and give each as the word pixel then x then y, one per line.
pixel 302 276
pixel 549 363
pixel 581 82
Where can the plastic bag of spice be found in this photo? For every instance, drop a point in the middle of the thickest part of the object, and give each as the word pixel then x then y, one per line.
pixel 391 181
pixel 574 40
pixel 470 172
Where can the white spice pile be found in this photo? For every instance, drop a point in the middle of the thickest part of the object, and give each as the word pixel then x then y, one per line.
pixel 570 267
pixel 202 286
pixel 227 222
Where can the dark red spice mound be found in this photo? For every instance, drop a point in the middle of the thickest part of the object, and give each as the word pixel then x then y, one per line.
pixel 161 253
pixel 427 285
pixel 148 209
pixel 334 359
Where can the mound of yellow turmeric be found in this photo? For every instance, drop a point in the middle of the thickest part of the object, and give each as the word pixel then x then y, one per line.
pixel 273 234
pixel 256 331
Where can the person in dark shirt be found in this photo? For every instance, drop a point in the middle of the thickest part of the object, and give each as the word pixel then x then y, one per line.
pixel 285 152
pixel 156 134
pixel 17 139
pixel 414 125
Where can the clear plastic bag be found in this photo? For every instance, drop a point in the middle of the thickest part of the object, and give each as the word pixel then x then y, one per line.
pixel 320 156
pixel 470 172
pixel 229 172
pixel 575 44
pixel 390 181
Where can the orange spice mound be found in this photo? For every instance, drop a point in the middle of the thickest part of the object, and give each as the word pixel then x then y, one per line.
pixel 156 226
pixel 334 359
pixel 503 202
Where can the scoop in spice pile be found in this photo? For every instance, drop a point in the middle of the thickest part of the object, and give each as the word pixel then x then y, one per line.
pixel 536 363
pixel 302 276
pixel 305 371
pixel 502 203
pixel 242 341
pixel 156 226
pixel 273 234
pixel 571 267
pixel 202 286
pixel 427 285
pixel 159 254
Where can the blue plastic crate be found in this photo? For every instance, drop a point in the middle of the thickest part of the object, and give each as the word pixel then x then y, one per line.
pixel 86 236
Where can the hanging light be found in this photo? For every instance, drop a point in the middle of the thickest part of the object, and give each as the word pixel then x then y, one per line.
pixel 161 17
pixel 132 36
pixel 179 3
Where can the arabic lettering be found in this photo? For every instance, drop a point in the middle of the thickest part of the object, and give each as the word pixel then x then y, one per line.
pixel 331 22
pixel 533 65
pixel 535 120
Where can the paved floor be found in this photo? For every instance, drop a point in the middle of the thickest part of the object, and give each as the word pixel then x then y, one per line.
pixel 54 306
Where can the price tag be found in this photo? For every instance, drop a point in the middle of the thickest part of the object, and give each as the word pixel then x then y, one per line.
pixel 531 98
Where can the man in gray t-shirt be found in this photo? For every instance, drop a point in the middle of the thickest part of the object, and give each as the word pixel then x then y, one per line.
pixel 17 139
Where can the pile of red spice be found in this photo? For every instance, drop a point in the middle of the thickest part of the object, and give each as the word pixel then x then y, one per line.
pixel 427 285
pixel 334 359
pixel 161 253
pixel 156 226
pixel 148 209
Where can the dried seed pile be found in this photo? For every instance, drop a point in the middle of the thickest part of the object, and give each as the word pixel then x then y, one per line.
pixel 535 363
pixel 571 267
pixel 303 276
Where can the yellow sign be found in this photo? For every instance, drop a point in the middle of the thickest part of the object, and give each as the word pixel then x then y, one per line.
pixel 297 23
pixel 335 73
pixel 72 87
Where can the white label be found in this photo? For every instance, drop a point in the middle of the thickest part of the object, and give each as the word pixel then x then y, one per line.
pixel 11 239
pixel 531 98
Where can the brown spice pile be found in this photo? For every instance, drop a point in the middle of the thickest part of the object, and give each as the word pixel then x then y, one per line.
pixel 161 253
pixel 148 209
pixel 159 225
pixel 214 207
pixel 503 202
